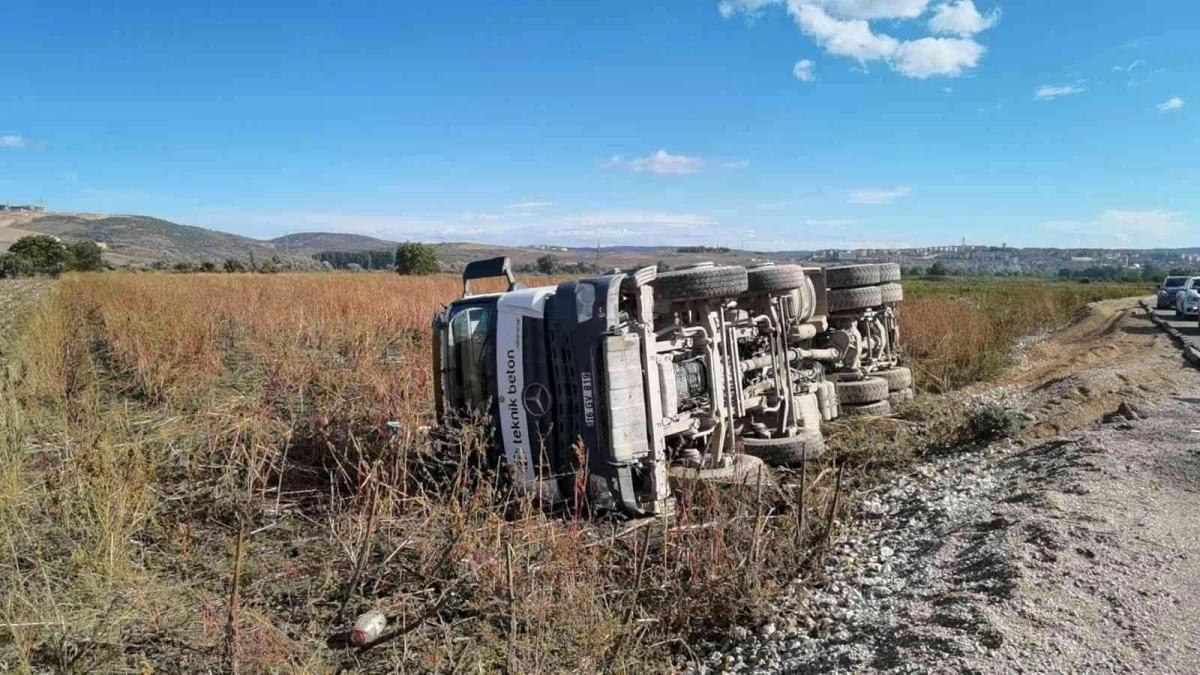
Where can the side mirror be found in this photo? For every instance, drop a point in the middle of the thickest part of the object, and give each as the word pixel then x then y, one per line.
pixel 486 269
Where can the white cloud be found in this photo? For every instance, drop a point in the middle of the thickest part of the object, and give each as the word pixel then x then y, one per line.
pixel 661 162
pixel 1140 229
pixel 928 57
pixel 738 164
pixel 803 71
pixel 846 9
pixel 877 197
pixel 948 90
pixel 750 8
pixel 1050 92
pixel 13 142
pixel 529 206
pixel 671 220
pixel 874 9
pixel 843 28
pixel 1129 68
pixel 850 38
pixel 618 226
pixel 1170 104
pixel 471 216
pixel 961 18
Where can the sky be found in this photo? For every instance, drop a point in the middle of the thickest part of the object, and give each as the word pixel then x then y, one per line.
pixel 763 124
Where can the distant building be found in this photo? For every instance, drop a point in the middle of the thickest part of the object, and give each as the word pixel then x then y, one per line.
pixel 22 208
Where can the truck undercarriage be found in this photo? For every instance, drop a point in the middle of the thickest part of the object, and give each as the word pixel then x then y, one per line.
pixel 632 379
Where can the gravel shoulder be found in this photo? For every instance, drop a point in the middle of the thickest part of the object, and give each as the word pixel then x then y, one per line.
pixel 1072 548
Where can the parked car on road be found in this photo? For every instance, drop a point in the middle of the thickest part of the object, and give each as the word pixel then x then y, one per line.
pixel 1168 291
pixel 1187 300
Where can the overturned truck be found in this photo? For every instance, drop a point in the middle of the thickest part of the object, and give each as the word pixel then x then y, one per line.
pixel 632 378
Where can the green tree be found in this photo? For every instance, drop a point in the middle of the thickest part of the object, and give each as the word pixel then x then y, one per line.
pixel 43 254
pixel 548 264
pixel 414 258
pixel 86 256
pixel 938 269
pixel 13 266
pixel 208 266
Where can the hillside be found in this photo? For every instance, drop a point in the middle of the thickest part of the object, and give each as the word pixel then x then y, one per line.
pixel 141 239
pixel 308 243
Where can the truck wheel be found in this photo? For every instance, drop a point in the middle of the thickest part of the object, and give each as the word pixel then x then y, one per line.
pixel 775 278
pixel 897 378
pixel 786 450
pixel 868 409
pixel 901 398
pixel 744 470
pixel 891 293
pixel 851 276
pixel 858 392
pixel 701 283
pixel 889 272
pixel 846 299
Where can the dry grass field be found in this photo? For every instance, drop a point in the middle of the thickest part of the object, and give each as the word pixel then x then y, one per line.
pixel 213 473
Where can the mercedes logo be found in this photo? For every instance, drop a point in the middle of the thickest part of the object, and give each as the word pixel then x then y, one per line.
pixel 537 399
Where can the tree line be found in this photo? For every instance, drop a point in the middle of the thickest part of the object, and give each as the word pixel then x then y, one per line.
pixel 364 260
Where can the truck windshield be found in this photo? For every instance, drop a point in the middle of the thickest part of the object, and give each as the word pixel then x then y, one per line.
pixel 471 363
pixel 1175 282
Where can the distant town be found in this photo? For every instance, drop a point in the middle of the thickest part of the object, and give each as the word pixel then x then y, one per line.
pixel 1002 260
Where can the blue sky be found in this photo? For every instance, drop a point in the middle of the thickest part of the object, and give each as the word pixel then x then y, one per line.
pixel 777 123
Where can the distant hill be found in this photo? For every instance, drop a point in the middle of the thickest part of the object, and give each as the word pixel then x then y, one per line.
pixel 307 243
pixel 141 239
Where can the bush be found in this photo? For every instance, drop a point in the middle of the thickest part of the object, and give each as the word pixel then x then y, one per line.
pixel 992 420
pixel 86 256
pixel 548 264
pixel 43 254
pixel 414 258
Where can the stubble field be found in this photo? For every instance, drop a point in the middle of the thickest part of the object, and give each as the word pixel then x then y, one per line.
pixel 218 472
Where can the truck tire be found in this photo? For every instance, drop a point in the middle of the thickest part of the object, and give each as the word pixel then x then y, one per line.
pixel 744 470
pixel 786 450
pixel 868 409
pixel 701 283
pixel 851 276
pixel 847 299
pixel 901 398
pixel 775 278
pixel 858 392
pixel 897 378
pixel 889 272
pixel 891 293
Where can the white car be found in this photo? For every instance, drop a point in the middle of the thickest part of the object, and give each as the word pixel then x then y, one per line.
pixel 1187 301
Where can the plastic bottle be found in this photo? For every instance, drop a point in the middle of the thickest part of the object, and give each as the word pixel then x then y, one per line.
pixel 368 627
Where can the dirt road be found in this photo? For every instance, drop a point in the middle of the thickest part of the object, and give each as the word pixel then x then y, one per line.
pixel 1072 548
